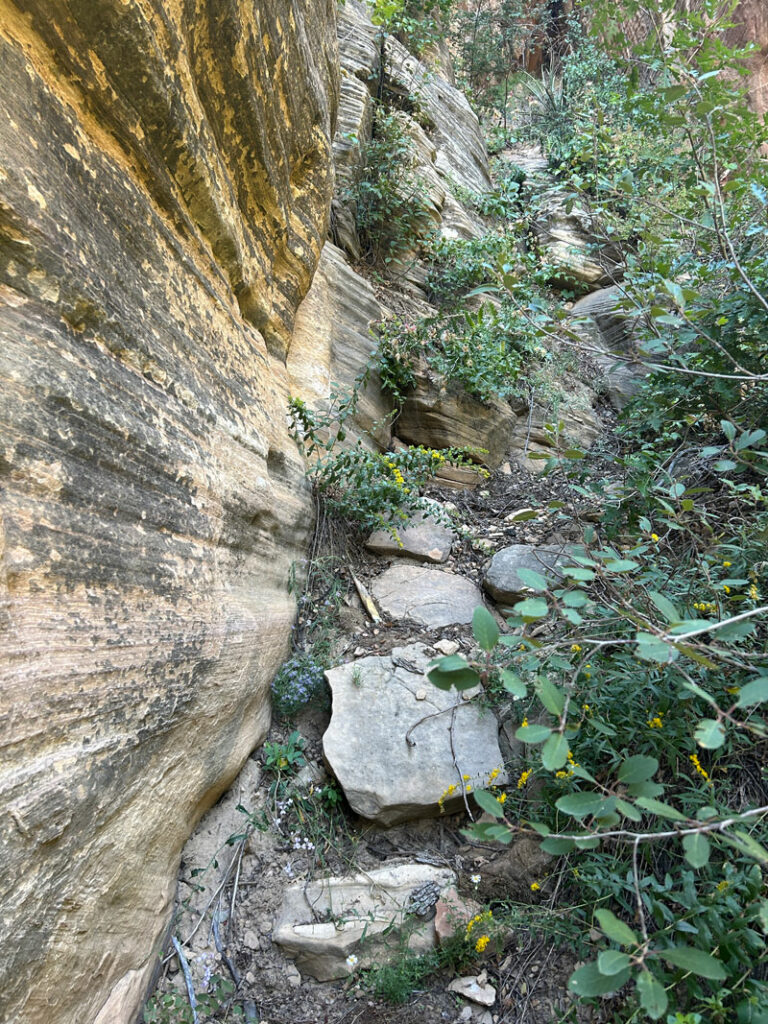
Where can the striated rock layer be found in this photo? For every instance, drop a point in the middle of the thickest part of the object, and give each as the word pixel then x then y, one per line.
pixel 165 183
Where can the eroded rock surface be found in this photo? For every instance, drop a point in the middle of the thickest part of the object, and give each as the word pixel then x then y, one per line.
pixel 438 417
pixel 392 765
pixel 431 597
pixel 323 922
pixel 502 581
pixel 165 185
pixel 420 537
pixel 606 333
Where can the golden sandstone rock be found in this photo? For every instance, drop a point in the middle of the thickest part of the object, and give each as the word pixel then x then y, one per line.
pixel 165 185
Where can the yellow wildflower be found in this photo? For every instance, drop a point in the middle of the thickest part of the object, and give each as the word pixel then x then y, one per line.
pixel 655 538
pixel 656 722
pixel 726 588
pixel 575 648
pixel 535 886
pixel 697 765
pixel 524 723
pixel 723 885
pixel 727 565
pixel 481 943
pixel 562 775
pixel 501 797
pixel 524 778
pixel 494 774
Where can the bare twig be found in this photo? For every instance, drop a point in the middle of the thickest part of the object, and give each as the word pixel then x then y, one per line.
pixel 187 978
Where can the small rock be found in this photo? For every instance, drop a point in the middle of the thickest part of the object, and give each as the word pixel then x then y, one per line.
pixel 446 647
pixel 472 989
pixel 421 537
pixel 421 695
pixel 501 579
pixel 293 975
pixel 466 1013
pixel 452 914
pixel 251 939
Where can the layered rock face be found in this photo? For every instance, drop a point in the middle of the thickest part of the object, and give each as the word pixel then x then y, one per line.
pixel 165 184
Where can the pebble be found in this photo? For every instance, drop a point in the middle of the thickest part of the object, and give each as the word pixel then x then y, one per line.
pixel 421 695
pixel 446 647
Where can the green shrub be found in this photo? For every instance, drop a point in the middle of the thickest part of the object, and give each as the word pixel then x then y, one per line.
pixel 391 209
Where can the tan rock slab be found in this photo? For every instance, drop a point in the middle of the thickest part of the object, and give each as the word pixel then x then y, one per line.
pixel 325 922
pixel 431 597
pixel 420 537
pixel 392 752
pixel 473 989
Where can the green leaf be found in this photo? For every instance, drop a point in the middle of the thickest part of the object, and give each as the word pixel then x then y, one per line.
pixel 743 841
pixel 452 671
pixel 762 915
pixel 650 648
pixel 615 929
pixel 580 805
pixel 628 810
pixel 659 808
pixel 697 849
pixel 572 616
pixel 554 753
pixel 611 961
pixel 621 565
pixel 512 683
pixel 709 734
pixel 674 92
pixel 638 768
pixel 533 733
pixel 575 599
pixel 549 695
pixel 652 995
pixel 575 573
pixel 556 845
pixel 588 981
pixel 532 608
pixel 532 579
pixel 651 789
pixel 728 429
pixel 488 802
pixel 753 693
pixel 484 629
pixel 696 961
pixel 665 606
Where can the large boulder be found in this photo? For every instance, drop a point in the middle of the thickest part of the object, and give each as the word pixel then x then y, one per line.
pixel 439 416
pixel 164 195
pixel 570 241
pixel 401 748
pixel 606 330
pixel 333 341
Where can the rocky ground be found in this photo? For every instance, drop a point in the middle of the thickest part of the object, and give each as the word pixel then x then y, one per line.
pixel 255 865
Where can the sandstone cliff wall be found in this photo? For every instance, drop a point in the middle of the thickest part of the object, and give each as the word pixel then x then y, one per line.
pixel 165 183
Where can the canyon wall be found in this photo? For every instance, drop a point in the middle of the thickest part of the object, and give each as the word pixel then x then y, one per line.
pixel 165 186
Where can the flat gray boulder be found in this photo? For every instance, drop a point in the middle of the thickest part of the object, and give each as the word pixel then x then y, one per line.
pixel 502 581
pixel 420 537
pixel 332 926
pixel 382 703
pixel 431 597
